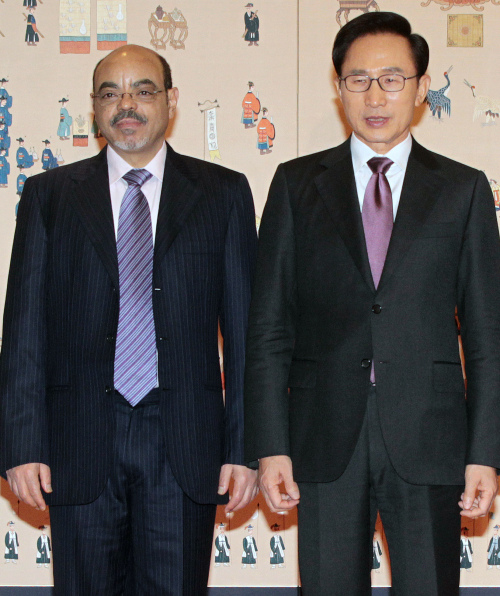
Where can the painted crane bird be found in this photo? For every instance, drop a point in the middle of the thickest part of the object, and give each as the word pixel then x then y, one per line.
pixel 438 100
pixel 486 106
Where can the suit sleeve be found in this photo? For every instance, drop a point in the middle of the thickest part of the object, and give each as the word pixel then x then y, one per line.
pixel 239 264
pixel 22 363
pixel 271 332
pixel 479 315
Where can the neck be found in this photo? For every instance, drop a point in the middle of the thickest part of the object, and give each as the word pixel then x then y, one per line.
pixel 139 159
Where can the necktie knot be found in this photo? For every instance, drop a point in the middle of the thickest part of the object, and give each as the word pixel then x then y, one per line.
pixel 137 177
pixel 379 165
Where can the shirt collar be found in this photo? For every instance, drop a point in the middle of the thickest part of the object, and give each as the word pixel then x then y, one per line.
pixel 118 167
pixel 361 153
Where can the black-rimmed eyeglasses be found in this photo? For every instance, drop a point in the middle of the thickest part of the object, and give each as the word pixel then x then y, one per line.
pixel 387 82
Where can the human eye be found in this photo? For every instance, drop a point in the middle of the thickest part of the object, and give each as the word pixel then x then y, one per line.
pixel 108 96
pixel 358 80
pixel 392 80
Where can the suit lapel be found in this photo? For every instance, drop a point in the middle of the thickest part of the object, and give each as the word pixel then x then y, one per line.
pixel 179 194
pixel 419 194
pixel 337 187
pixel 92 201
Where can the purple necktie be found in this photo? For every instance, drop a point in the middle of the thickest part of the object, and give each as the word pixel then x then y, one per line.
pixel 377 219
pixel 135 356
pixel 378 215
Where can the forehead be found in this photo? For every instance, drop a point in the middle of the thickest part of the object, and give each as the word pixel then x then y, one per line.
pixel 129 66
pixel 384 51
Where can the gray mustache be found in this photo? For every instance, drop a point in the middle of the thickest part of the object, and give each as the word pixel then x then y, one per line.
pixel 128 114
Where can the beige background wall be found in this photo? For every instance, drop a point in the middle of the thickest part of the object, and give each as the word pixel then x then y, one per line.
pixel 292 72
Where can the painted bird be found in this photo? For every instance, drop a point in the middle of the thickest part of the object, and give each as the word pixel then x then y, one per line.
pixel 438 100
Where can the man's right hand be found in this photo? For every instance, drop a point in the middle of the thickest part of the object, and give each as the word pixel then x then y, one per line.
pixel 25 482
pixel 273 472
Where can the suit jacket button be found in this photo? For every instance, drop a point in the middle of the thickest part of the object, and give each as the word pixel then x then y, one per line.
pixel 110 338
pixel 108 390
pixel 377 309
pixel 366 363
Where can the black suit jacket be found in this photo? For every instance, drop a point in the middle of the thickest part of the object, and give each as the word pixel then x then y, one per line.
pixel 61 316
pixel 317 322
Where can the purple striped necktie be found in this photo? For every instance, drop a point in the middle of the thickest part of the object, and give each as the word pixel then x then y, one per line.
pixel 135 356
pixel 378 219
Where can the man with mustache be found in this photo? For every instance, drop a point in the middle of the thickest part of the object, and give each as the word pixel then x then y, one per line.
pixel 355 397
pixel 124 266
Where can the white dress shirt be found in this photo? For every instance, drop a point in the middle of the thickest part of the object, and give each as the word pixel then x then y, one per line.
pixel 399 154
pixel 118 167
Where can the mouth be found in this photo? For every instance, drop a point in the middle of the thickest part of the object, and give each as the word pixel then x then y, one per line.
pixel 376 121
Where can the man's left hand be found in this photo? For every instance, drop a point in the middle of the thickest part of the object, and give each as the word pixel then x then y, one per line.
pixel 481 487
pixel 245 486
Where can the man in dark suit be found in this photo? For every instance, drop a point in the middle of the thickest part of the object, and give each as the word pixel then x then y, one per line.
pixel 354 397
pixel 123 268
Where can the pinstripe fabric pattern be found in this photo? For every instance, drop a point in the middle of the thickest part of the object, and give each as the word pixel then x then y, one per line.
pixel 61 318
pixel 142 536
pixel 135 355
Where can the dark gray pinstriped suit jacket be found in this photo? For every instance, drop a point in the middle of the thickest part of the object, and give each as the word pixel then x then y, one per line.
pixel 61 316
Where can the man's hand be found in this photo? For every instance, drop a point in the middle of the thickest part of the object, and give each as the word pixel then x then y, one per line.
pixel 274 471
pixel 245 487
pixel 25 482
pixel 481 487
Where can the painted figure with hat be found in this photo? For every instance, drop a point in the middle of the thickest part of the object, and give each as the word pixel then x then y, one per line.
pixel 21 179
pixel 31 37
pixel 11 554
pixel 4 137
pixel 249 556
pixel 494 549
pixel 465 550
pixel 251 26
pixel 377 552
pixel 222 547
pixel 4 92
pixel 28 3
pixel 65 121
pixel 49 160
pixel 43 548
pixel 23 158
pixel 277 554
pixel 5 115
pixel 266 133
pixel 251 107
pixel 4 167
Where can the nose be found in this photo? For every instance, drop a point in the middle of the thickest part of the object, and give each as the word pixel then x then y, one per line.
pixel 126 101
pixel 375 96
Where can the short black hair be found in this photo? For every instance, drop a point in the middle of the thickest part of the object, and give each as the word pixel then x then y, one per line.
pixel 373 23
pixel 167 72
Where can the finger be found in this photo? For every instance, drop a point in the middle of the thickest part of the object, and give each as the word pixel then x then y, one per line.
pixel 23 492
pixel 292 488
pixel 224 479
pixel 35 492
pixel 45 478
pixel 469 493
pixel 236 497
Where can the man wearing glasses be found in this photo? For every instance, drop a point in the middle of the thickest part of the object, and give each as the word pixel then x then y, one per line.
pixel 355 399
pixel 123 268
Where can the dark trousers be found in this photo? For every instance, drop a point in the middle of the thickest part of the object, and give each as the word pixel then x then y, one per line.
pixel 337 521
pixel 143 535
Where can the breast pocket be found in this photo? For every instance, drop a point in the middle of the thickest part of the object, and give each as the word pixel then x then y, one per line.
pixel 439 230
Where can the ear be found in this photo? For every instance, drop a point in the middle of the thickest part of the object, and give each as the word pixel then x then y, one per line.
pixel 173 98
pixel 338 87
pixel 422 90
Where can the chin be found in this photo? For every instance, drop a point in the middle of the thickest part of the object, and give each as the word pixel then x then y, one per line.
pixel 131 144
